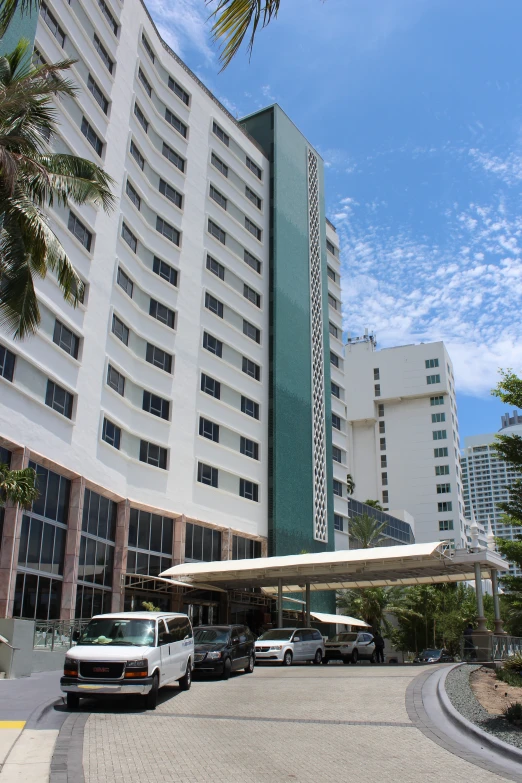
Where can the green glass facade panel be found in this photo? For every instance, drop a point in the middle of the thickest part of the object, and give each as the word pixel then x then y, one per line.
pixel 23 25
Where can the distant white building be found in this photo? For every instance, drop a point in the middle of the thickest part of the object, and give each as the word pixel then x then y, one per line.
pixel 403 434
pixel 485 479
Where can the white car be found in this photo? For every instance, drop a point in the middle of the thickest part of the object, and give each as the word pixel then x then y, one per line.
pixel 286 645
pixel 350 648
pixel 129 653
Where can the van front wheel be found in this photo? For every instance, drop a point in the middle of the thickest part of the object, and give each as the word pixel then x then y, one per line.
pixel 151 699
pixel 186 681
pixel 73 701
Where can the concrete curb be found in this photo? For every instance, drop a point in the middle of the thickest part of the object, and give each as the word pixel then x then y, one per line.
pixel 455 717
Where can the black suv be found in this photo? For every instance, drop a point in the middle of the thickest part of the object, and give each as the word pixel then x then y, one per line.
pixel 222 649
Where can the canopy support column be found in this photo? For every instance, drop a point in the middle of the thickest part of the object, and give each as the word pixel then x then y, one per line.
pixel 307 607
pixel 280 603
pixel 499 627
pixel 481 620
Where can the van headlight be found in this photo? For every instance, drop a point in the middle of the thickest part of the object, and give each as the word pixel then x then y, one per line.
pixel 70 667
pixel 213 656
pixel 276 647
pixel 136 669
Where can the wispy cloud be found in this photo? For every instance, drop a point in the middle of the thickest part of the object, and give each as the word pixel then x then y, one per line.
pixel 184 25
pixel 508 169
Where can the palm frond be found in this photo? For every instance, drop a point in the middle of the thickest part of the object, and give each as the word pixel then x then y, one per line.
pixel 233 18
pixel 18 486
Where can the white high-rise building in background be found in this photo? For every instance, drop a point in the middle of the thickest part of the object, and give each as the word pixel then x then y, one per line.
pixel 486 479
pixel 403 438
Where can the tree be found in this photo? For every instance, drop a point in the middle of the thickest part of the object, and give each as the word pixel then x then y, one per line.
pixel 18 486
pixel 350 484
pixel 232 21
pixel 364 531
pixel 374 504
pixel 372 604
pixel 32 179
pixel 149 606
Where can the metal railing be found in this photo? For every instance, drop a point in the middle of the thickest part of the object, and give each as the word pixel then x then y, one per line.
pixel 489 647
pixel 505 646
pixel 56 634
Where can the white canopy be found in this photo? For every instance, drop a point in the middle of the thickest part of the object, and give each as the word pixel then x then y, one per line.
pixel 339 619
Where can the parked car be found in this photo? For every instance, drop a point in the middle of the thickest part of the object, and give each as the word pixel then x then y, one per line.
pixel 286 645
pixel 129 653
pixel 222 649
pixel 435 656
pixel 350 647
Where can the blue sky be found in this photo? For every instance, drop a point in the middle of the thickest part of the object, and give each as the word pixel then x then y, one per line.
pixel 416 108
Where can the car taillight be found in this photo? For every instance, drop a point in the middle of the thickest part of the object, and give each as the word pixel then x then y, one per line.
pixel 70 667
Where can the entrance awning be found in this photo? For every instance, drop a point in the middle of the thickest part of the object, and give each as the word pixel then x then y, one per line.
pixel 351 568
pixel 338 619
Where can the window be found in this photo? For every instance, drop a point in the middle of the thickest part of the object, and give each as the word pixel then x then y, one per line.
pixel 159 358
pixel 133 194
pixel 336 391
pixel 59 399
pixel 336 421
pixel 251 295
pixel 251 368
pixel 222 136
pixel 215 267
pixel 254 230
pixel 100 48
pixel 443 489
pixel 212 344
pixel 153 454
pixel 248 490
pixel 249 448
pixel 141 118
pixel 331 273
pixel 173 156
pixel 338 522
pixel 120 330
pixel 249 407
pixel 384 479
pixel 432 379
pixel 171 193
pixel 162 313
pixel 447 505
pixel 129 237
pixel 92 137
pixel 217 232
pixel 252 261
pixel 81 232
pixel 99 97
pixel 439 435
pixel 442 470
pixel 245 548
pixel 377 389
pixel 251 331
pixel 209 429
pixel 108 16
pixel 219 165
pixel 437 417
pixel 382 427
pixel 52 24
pixel 332 301
pixel 337 488
pixel 254 168
pixel 218 197
pixel 176 123
pixel 148 48
pixel 330 247
pixel 334 359
pixel 376 374
pixel 65 339
pixel 111 434
pixel 165 271
pixel 445 524
pixel 336 454
pixel 7 363
pixel 384 461
pixel 143 79
pixel 385 496
pixel 381 409
pixel 253 197
pixel 383 444
pixel 214 305
pixel 440 452
pixel 179 91
pixel 136 154
pixel 438 400
pixel 116 380
pixel 431 363
pixel 202 543
pixel 210 386
pixel 207 475
pixel 156 405
pixel 168 231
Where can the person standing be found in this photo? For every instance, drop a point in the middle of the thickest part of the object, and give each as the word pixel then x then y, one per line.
pixel 379 647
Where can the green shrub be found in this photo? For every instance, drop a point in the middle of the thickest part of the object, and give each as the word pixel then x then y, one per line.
pixel 513 713
pixel 510 678
pixel 513 663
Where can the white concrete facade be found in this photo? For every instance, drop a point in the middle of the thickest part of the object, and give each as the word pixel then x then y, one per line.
pixel 403 441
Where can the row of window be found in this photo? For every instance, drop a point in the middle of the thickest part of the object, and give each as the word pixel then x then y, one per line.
pixel 220 234
pixel 215 306
pixel 210 476
pixel 210 430
pixel 153 355
pixel 220 271
pixel 150 453
pixel 225 139
pixel 157 310
pixel 223 169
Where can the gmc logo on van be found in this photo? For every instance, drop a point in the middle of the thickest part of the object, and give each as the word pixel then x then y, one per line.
pixel 101 669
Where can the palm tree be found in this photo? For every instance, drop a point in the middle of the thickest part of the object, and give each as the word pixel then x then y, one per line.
pixel 350 484
pixel 364 531
pixel 373 603
pixel 232 20
pixel 374 504
pixel 18 486
pixel 32 179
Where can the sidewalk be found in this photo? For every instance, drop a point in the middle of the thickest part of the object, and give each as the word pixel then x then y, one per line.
pixel 29 727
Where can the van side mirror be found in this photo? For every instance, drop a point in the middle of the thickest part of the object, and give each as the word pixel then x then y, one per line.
pixel 75 636
pixel 235 640
pixel 297 638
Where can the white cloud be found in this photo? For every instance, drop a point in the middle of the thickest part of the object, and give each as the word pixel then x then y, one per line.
pixel 183 24
pixel 508 169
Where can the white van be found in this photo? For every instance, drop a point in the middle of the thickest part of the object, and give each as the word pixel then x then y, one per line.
pixel 286 645
pixel 129 653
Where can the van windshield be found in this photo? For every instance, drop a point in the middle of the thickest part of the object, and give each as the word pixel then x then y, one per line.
pixel 277 633
pixel 211 635
pixel 113 631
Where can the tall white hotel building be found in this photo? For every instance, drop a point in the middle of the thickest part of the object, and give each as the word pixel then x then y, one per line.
pixel 184 410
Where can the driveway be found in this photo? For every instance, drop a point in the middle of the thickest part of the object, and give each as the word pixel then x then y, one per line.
pixel 307 724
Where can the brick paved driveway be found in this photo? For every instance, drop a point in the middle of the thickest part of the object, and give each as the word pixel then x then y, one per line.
pixel 307 724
